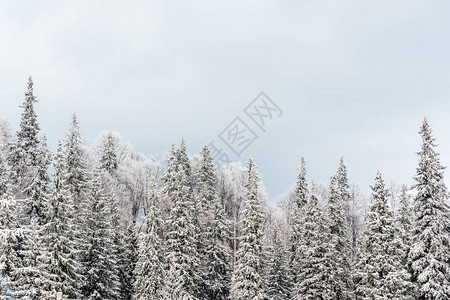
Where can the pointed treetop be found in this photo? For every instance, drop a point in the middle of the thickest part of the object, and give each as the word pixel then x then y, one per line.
pixel 301 177
pixel 250 161
pixel 427 137
pixel 29 92
pixel 183 158
pixel 251 169
pixel 29 128
pixel 303 166
pixel 183 144
pixel 75 124
pixel 380 193
pixel 342 168
pixel 301 188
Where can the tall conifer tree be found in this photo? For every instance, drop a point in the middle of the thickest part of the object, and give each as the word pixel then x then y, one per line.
pixel 339 238
pixel 314 275
pixel 98 261
pixel 248 275
pixel 278 279
pixel 380 273
pixel 151 268
pixel 184 276
pixel 215 235
pixel 298 214
pixel 429 256
pixel 9 233
pixel 58 233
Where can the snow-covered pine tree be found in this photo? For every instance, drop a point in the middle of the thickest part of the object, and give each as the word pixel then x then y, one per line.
pixel 404 221
pixel 342 186
pixel 77 171
pixel 248 277
pixel 100 277
pixel 130 260
pixel 118 244
pixel 5 175
pixel 216 254
pixel 298 206
pixel 339 239
pixel 29 159
pixel 35 204
pixel 169 177
pixel 151 271
pixel 313 252
pixel 343 191
pixel 429 256
pixel 206 190
pixel 9 260
pixel 379 272
pixel 24 151
pixel 183 159
pixel 204 193
pixel 184 274
pixel 278 279
pixel 108 159
pixel 30 277
pixel 77 181
pixel 9 232
pixel 58 233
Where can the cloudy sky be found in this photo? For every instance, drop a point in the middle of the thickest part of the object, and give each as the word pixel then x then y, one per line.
pixel 353 78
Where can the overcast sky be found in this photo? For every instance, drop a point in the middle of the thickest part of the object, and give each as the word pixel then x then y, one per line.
pixel 353 78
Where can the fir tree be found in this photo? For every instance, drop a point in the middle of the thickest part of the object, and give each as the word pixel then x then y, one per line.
pixel 183 159
pixel 380 273
pixel 404 222
pixel 130 261
pixel 339 238
pixel 108 159
pixel 30 277
pixel 184 277
pixel 429 256
pixel 21 250
pixel 77 173
pixel 39 188
pixel 248 280
pixel 313 278
pixel 77 179
pixel 342 186
pixel 5 176
pixel 24 152
pixel 216 255
pixel 118 245
pixel 150 270
pixel 9 232
pixel 206 186
pixel 298 206
pixel 34 195
pixel 63 267
pixel 100 278
pixel 278 281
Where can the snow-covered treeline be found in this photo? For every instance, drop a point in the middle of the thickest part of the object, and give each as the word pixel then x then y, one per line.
pixel 109 223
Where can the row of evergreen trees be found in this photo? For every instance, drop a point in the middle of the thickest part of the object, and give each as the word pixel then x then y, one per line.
pixel 68 232
pixel 65 234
